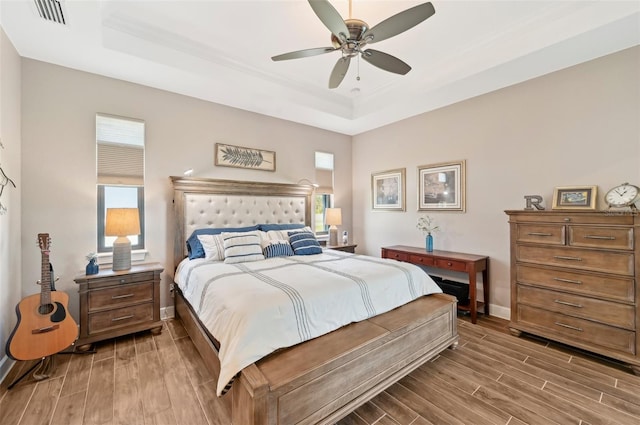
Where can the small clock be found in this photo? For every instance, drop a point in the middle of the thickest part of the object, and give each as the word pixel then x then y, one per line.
pixel 624 195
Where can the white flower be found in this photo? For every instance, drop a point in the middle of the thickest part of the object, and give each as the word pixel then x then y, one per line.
pixel 426 224
pixel 91 256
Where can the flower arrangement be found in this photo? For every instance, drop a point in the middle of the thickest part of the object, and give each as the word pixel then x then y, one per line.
pixel 426 224
pixel 91 256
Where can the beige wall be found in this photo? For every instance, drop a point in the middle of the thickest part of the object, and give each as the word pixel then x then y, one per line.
pixel 578 126
pixel 58 154
pixel 10 276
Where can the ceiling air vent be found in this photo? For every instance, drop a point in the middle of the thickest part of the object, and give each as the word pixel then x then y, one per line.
pixel 51 10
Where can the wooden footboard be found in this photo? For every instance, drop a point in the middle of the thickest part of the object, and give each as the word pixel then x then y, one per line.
pixel 324 379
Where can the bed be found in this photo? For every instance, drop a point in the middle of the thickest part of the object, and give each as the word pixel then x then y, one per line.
pixel 327 373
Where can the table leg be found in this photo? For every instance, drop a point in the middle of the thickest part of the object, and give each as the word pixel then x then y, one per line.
pixel 473 303
pixel 485 289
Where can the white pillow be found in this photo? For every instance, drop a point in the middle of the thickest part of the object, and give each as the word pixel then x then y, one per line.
pixel 284 234
pixel 242 247
pixel 213 246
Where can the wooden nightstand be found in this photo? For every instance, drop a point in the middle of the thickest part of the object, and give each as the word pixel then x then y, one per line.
pixel 346 248
pixel 116 303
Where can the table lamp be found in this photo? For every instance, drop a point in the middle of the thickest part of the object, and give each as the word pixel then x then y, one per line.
pixel 122 222
pixel 333 218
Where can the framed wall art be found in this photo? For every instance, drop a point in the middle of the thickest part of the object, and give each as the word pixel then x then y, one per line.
pixel 575 198
pixel 388 190
pixel 241 157
pixel 442 186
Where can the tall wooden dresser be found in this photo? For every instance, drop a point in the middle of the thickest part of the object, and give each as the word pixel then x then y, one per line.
pixel 573 279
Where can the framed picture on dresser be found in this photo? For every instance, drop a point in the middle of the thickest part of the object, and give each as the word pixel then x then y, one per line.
pixel 575 198
pixel 442 186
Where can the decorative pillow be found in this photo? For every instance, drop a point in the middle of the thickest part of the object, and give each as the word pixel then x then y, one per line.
pixel 280 226
pixel 242 247
pixel 194 246
pixel 304 243
pixel 284 234
pixel 276 248
pixel 213 246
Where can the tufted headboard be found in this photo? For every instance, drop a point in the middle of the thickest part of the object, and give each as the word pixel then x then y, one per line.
pixel 199 203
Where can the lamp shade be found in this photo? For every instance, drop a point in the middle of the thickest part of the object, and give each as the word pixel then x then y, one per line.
pixel 333 216
pixel 122 222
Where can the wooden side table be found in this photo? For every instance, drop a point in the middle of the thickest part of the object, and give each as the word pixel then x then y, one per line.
pixel 346 248
pixel 448 260
pixel 116 303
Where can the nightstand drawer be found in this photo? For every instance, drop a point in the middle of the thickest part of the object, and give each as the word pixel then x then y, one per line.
pixel 121 317
pixel 459 266
pixel 120 296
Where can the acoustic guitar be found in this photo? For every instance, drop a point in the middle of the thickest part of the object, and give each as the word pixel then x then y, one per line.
pixel 44 325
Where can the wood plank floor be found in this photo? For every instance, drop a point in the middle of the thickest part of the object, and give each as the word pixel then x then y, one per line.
pixel 492 378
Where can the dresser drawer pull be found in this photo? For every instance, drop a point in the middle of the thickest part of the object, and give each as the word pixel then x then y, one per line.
pixel 539 234
pixel 569 304
pixel 117 297
pixel 561 257
pixel 606 238
pixel 568 326
pixel 122 318
pixel 559 279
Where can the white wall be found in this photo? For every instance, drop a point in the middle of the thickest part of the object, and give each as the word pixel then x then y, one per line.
pixel 58 151
pixel 578 126
pixel 10 275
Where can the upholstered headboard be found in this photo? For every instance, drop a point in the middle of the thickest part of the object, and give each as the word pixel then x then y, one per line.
pixel 201 203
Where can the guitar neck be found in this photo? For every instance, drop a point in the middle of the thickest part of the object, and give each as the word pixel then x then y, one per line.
pixel 45 282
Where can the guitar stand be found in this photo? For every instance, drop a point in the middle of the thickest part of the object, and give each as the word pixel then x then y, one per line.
pixel 44 367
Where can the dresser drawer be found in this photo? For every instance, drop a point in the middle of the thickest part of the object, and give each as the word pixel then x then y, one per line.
pixel 120 296
pixel 550 234
pixel 458 266
pixel 607 312
pixel 575 258
pixel 606 286
pixel 423 261
pixel 395 255
pixel 121 317
pixel 567 328
pixel 601 237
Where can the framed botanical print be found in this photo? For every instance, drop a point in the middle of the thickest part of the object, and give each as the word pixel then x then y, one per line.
pixel 388 191
pixel 442 186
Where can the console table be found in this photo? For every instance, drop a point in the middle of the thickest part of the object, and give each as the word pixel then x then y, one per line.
pixel 448 260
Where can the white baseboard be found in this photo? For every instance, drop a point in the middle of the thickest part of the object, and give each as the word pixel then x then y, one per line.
pixel 500 311
pixel 167 312
pixel 5 366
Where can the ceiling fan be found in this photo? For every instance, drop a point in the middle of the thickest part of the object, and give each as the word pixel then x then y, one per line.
pixel 350 36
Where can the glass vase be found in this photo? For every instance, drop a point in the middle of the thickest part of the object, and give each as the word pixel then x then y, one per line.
pixel 429 242
pixel 92 267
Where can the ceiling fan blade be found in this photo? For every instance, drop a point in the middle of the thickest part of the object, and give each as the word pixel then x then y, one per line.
pixel 303 53
pixel 400 22
pixel 339 71
pixel 330 18
pixel 385 61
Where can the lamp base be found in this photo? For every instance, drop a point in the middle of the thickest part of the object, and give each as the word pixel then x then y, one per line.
pixel 121 254
pixel 333 236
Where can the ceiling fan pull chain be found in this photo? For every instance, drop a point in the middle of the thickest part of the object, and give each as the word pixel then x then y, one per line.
pixel 358 76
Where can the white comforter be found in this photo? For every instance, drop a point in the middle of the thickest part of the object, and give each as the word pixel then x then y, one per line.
pixel 255 308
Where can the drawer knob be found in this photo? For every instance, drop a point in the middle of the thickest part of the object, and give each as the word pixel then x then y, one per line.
pixel 122 280
pixel 567 219
pixel 449 264
pixel 568 326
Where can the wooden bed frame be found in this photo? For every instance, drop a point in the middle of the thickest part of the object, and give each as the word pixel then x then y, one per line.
pixel 322 380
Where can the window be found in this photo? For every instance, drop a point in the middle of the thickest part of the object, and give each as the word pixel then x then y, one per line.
pixel 120 169
pixel 324 192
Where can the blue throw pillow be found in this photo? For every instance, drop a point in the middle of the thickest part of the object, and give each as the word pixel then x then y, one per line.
pixel 280 226
pixel 304 243
pixel 277 248
pixel 194 247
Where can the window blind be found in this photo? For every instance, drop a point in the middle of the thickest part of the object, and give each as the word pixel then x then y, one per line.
pixel 120 150
pixel 324 173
